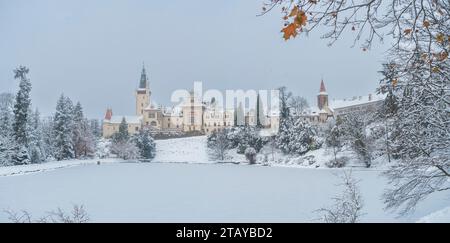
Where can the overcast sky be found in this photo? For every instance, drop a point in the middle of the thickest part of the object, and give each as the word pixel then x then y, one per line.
pixel 93 51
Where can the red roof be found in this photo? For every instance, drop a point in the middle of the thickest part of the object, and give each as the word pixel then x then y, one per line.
pixel 322 87
pixel 108 114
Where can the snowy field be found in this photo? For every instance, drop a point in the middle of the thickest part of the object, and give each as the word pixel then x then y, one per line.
pixel 182 150
pixel 183 185
pixel 177 192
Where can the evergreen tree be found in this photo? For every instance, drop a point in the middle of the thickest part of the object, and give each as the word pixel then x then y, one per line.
pixel 145 144
pixel 6 114
pixel 259 112
pixel 62 129
pixel 7 150
pixel 297 136
pixel 77 132
pixel 35 134
pixel 21 113
pixel 48 140
pixel 122 135
pixel 95 128
pixel 334 138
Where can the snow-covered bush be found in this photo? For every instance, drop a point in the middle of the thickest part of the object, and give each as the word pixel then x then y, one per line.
pixel 126 150
pixel 239 138
pixel 297 136
pixel 244 137
pixel 250 155
pixel 338 162
pixel 103 149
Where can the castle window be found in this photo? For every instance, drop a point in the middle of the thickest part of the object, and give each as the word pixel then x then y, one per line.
pixel 136 129
pixel 153 123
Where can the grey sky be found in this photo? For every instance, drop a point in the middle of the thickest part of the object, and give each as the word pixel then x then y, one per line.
pixel 93 51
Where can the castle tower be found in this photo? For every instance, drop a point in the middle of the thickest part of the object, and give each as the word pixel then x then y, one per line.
pixel 108 114
pixel 142 94
pixel 322 98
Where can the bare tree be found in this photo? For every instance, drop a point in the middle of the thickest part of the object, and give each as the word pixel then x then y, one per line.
pixel 77 215
pixel 298 105
pixel 126 150
pixel 420 34
pixel 347 207
pixel 218 145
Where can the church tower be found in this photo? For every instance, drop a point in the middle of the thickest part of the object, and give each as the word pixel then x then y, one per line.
pixel 322 98
pixel 142 94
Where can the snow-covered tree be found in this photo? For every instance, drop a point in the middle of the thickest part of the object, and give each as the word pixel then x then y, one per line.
pixel 297 105
pixel 6 114
pixel 335 138
pixel 22 107
pixel 354 128
pixel 48 139
pixel 95 128
pixel 284 96
pixel 7 150
pixel 297 136
pixel 145 144
pixel 347 207
pixel 250 155
pixel 423 138
pixel 126 149
pixel 83 139
pixel 62 129
pixel 103 149
pixel 36 144
pixel 244 137
pixel 122 134
pixel 218 145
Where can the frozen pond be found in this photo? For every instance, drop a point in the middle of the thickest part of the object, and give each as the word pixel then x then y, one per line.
pixel 177 192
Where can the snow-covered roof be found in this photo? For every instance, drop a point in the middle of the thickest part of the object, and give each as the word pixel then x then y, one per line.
pixel 128 119
pixel 173 111
pixel 357 100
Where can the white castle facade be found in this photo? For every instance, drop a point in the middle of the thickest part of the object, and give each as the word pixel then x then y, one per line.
pixel 191 116
pixel 198 117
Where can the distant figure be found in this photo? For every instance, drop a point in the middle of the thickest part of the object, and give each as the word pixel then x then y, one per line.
pixel 98 162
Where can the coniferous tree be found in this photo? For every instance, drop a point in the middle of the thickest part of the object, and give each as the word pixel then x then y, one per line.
pixel 62 129
pixel 145 144
pixel 21 115
pixel 36 141
pixel 122 135
pixel 6 114
pixel 259 112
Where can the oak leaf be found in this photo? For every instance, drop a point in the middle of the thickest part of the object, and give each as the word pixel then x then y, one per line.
pixel 289 31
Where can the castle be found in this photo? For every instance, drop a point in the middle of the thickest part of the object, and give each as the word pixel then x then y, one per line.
pixel 196 116
pixel 191 116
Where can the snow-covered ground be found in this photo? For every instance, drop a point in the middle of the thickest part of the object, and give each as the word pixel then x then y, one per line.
pixel 35 168
pixel 168 192
pixel 182 185
pixel 182 150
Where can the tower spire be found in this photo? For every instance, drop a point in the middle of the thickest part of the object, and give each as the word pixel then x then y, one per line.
pixel 143 82
pixel 322 87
